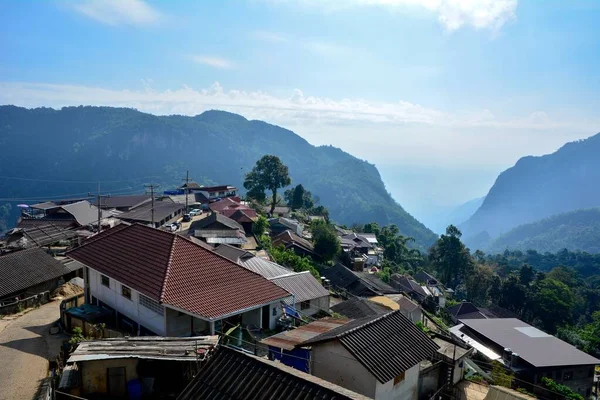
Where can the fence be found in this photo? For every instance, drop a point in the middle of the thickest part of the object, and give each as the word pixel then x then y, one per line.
pixel 20 305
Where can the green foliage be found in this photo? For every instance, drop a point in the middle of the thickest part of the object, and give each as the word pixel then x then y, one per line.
pixel 477 284
pixel 77 336
pixel 500 375
pixel 291 260
pixel 553 303
pixel 576 230
pixel 260 225
pixel 299 198
pixel 326 242
pixel 269 173
pixel 422 327
pixel 562 389
pixel 450 257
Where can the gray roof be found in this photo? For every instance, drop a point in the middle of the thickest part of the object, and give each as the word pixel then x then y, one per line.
pixel 425 277
pixel 376 283
pixel 265 268
pixel 533 345
pixel 386 345
pixel 233 253
pixel 406 304
pixel 218 219
pixel 359 308
pixel 303 285
pixel 84 212
pixel 162 209
pixel 463 308
pixel 407 284
pixel 234 375
pixel 125 201
pixel 290 237
pixel 145 347
pixel 47 205
pixel 37 236
pixel 288 340
pixel 26 268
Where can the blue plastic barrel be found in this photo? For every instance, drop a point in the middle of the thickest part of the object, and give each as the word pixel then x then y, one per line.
pixel 134 389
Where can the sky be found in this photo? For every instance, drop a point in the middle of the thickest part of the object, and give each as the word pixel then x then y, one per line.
pixel 441 95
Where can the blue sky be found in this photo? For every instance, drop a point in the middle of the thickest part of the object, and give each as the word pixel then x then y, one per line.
pixel 441 95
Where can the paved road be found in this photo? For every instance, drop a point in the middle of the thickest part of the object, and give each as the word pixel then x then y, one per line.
pixel 25 347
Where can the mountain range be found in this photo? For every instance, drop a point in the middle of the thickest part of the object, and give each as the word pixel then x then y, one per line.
pixel 536 188
pixel 48 154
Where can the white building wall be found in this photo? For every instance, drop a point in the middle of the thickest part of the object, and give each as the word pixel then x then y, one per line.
pixel 316 305
pixel 407 389
pixel 332 362
pixel 130 308
pixel 276 312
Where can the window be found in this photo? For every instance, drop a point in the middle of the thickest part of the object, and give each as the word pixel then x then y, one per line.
pixel 151 304
pixel 105 281
pixel 398 378
pixel 274 311
pixel 126 292
pixel 568 376
pixel 305 305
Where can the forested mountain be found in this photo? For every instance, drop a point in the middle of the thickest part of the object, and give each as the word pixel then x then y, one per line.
pixel 126 148
pixel 575 230
pixel 539 187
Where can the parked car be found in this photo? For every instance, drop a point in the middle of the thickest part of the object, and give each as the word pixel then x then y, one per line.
pixel 187 218
pixel 171 227
pixel 195 212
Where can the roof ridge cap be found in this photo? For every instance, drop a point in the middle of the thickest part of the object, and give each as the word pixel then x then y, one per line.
pixel 164 283
pixel 369 323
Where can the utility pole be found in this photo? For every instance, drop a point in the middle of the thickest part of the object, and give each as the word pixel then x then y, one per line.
pixel 186 191
pixel 99 198
pixel 152 187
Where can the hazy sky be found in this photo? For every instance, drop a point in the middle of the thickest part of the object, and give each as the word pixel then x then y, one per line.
pixel 442 95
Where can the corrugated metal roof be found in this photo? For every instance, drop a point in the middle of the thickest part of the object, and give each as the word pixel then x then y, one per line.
pixel 289 339
pixel 233 375
pixel 42 235
pixel 263 267
pixel 232 253
pixel 533 345
pixel 303 285
pixel 26 268
pixel 357 307
pixel 385 345
pixel 143 213
pixel 146 347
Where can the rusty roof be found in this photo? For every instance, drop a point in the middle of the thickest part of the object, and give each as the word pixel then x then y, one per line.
pixel 176 271
pixel 289 339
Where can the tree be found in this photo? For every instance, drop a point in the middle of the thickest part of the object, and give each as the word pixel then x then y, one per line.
pixel 450 257
pixel 513 295
pixel 478 284
pixel 326 242
pixel 553 302
pixel 299 198
pixel 260 226
pixel 526 274
pixel 269 173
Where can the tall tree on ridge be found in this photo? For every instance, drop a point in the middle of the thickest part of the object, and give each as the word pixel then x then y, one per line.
pixel 269 173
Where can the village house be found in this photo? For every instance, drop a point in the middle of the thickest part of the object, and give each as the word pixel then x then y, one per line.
pixel 236 211
pixel 210 192
pixel 377 356
pixel 362 284
pixel 124 203
pixel 357 307
pixel 407 307
pixel 28 273
pixel 280 225
pixel 531 353
pixel 42 235
pixel 279 211
pixel 64 214
pixel 408 285
pixel 235 375
pixel 161 283
pixel 217 229
pixel 163 213
pixel 294 242
pixel 143 366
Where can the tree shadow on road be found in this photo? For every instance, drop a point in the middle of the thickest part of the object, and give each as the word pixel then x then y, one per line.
pixel 43 344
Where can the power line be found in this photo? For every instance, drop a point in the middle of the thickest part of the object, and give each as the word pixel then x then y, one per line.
pixel 120 191
pixel 152 187
pixel 99 198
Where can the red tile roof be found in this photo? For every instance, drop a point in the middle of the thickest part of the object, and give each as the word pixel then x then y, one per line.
pixel 177 272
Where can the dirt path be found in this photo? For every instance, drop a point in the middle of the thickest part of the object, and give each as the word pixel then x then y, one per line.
pixel 25 347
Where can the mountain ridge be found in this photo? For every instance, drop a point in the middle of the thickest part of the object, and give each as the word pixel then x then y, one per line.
pixel 89 143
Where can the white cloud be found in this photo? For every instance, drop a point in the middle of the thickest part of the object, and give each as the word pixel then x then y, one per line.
pixel 118 12
pixel 452 14
pixel 212 61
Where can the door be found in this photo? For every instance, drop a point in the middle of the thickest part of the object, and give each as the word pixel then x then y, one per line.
pixel 116 384
pixel 266 317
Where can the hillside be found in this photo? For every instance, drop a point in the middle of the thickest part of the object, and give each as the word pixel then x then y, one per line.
pixel 125 148
pixel 539 187
pixel 576 230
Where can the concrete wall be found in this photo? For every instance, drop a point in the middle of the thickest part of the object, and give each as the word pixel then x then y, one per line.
pixel 332 362
pixel 252 317
pixel 414 316
pixel 581 382
pixel 316 305
pixel 278 312
pixel 407 389
pixel 178 324
pixel 94 373
pixel 130 308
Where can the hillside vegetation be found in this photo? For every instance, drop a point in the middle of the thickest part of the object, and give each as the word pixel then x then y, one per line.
pixel 126 148
pixel 540 187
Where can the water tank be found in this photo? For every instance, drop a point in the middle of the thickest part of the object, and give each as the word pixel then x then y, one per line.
pixel 507 354
pixel 514 360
